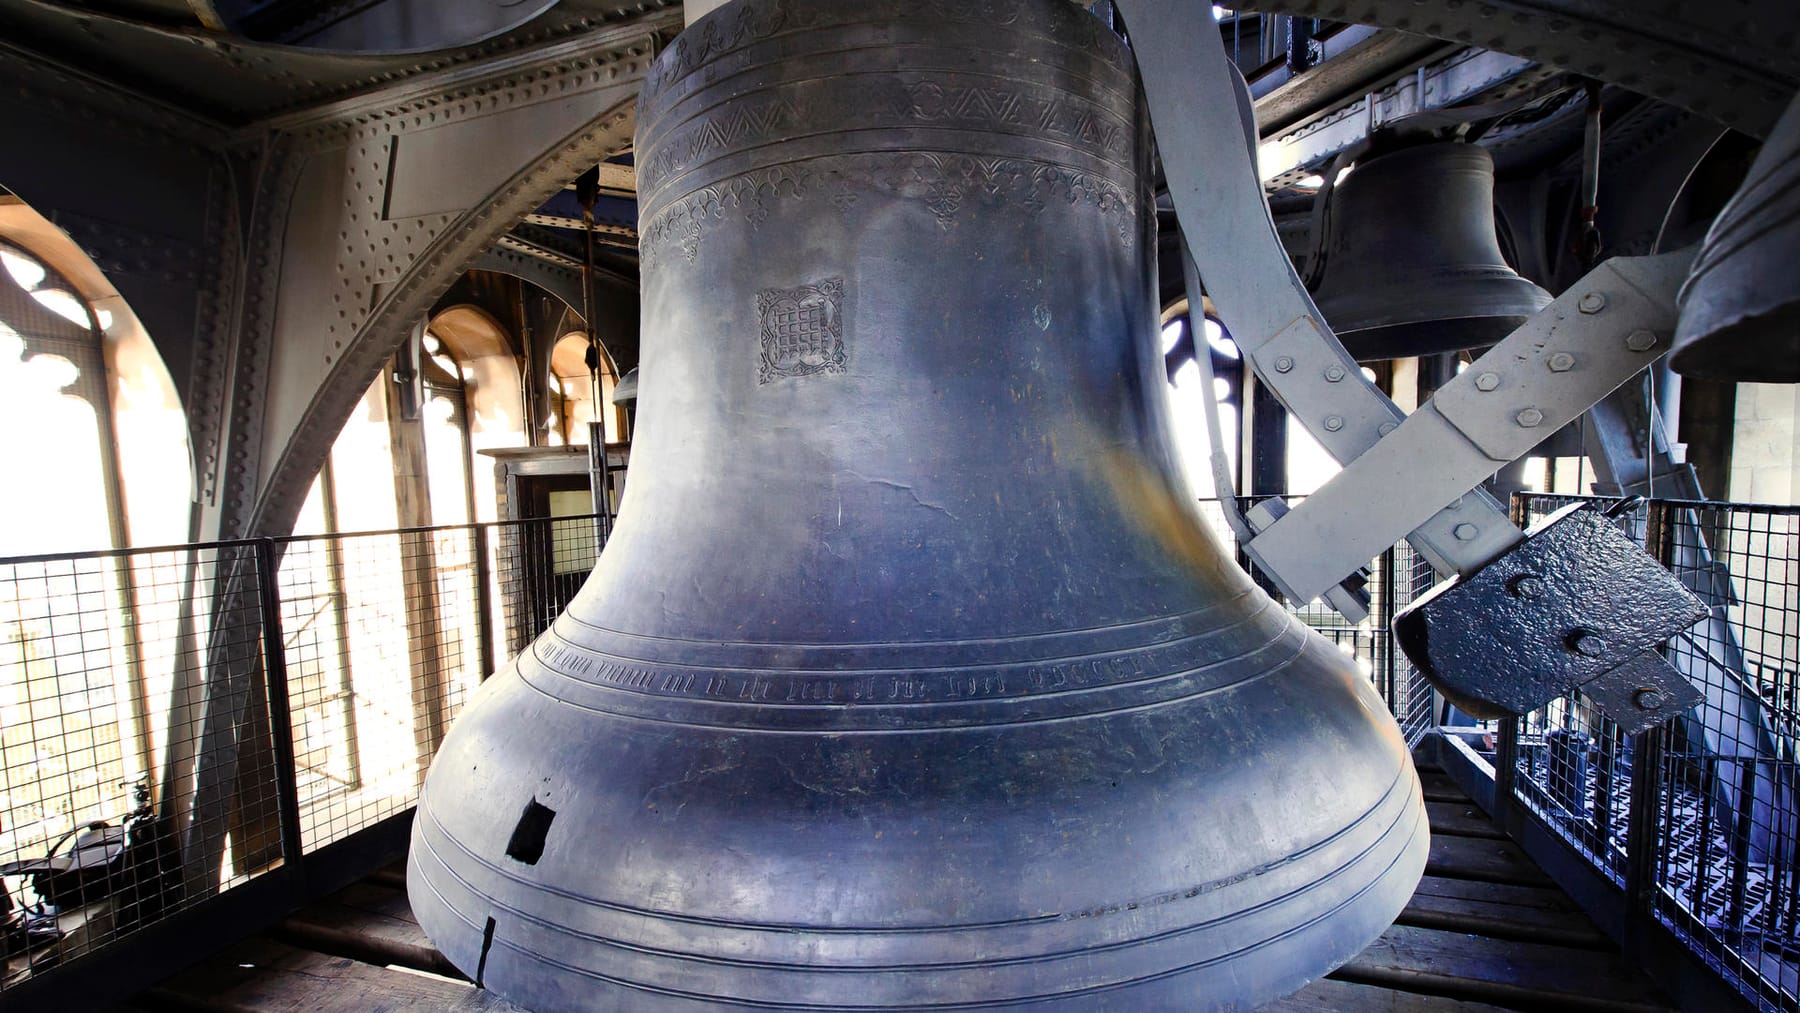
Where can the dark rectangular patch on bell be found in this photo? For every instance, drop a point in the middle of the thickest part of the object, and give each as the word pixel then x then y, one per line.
pixel 802 330
pixel 527 843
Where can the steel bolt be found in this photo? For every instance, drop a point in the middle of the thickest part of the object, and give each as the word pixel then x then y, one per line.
pixel 1527 586
pixel 1285 364
pixel 1487 381
pixel 1593 302
pixel 1334 423
pixel 1387 428
pixel 1334 373
pixel 1640 341
pixel 1531 418
pixel 1587 643
pixel 1465 532
pixel 1561 362
pixel 1648 699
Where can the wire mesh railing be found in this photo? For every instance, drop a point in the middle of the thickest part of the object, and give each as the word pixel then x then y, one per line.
pixel 1698 821
pixel 178 723
pixel 102 660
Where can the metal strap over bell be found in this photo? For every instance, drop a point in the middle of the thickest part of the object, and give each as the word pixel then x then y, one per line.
pixel 1740 308
pixel 1412 262
pixel 910 679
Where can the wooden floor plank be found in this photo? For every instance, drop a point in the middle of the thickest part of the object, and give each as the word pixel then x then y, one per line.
pixel 1461 819
pixel 1505 972
pixel 1439 787
pixel 1485 930
pixel 1492 861
pixel 393 876
pixel 366 922
pixel 1547 899
pixel 1502 910
pixel 1330 996
pixel 265 976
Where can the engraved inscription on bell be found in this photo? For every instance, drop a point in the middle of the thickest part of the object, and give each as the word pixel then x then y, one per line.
pixel 802 330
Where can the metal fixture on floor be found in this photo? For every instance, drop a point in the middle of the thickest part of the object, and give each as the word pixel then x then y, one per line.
pixel 965 709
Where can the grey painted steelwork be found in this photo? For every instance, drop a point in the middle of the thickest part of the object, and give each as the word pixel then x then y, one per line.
pixel 1342 125
pixel 1740 69
pixel 1260 297
pixel 238 82
pixel 1412 264
pixel 1740 310
pixel 962 708
pixel 376 27
pixel 1257 289
pixel 1605 329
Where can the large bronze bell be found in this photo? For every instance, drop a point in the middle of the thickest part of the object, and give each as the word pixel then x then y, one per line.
pixel 1740 308
pixel 1412 263
pixel 907 681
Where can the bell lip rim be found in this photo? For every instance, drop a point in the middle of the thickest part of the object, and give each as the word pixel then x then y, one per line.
pixel 1697 354
pixel 1405 847
pixel 1395 795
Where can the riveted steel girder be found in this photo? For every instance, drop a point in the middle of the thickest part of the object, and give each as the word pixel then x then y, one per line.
pixel 1736 63
pixel 365 212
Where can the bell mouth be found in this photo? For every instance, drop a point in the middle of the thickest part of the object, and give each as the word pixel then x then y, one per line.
pixel 1035 860
pixel 1763 349
pixel 1427 337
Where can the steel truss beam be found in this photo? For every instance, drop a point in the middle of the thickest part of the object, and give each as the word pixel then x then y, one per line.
pixel 1738 64
pixel 369 208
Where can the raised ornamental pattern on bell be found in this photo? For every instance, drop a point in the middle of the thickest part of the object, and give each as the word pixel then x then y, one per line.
pixel 909 679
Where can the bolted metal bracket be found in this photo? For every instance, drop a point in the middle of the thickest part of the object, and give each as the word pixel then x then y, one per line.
pixel 1350 596
pixel 1545 374
pixel 1577 605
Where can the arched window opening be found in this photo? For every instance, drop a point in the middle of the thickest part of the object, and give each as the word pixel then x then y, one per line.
pixel 449 445
pixel 573 394
pixel 473 371
pixel 60 306
pixel 1187 406
pixel 96 439
pixel 53 386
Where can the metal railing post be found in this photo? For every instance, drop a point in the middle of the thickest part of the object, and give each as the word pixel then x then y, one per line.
pixel 1742 830
pixel 1642 837
pixel 281 721
pixel 484 603
pixel 1506 773
pixel 1384 618
pixel 1644 823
